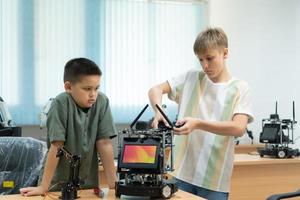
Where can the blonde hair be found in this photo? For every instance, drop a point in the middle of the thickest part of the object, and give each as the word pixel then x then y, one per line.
pixel 211 38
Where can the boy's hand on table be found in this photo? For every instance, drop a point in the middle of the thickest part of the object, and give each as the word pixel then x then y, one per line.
pixel 32 191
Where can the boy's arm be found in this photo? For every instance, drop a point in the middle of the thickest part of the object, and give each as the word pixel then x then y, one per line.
pixel 106 153
pixel 155 96
pixel 49 169
pixel 236 127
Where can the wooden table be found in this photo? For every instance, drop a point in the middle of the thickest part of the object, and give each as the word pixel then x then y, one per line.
pixel 247 148
pixel 257 178
pixel 89 195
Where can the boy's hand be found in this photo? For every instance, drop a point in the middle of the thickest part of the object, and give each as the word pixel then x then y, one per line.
pixel 105 151
pixel 158 118
pixel 32 191
pixel 188 125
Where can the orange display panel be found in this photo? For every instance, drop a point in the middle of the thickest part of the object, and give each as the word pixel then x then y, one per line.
pixel 139 154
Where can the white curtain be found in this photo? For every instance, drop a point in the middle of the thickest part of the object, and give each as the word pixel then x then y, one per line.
pixel 135 43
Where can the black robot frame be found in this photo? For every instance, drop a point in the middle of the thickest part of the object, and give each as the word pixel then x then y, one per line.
pixel 146 177
pixel 278 134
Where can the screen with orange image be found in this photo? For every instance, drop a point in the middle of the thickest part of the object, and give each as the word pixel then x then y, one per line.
pixel 139 154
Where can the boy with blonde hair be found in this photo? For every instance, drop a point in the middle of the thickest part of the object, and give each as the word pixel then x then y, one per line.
pixel 214 107
pixel 80 120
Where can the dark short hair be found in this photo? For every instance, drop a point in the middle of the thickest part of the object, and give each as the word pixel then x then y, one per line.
pixel 78 67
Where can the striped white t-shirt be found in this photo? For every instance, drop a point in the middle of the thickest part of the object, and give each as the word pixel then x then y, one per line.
pixel 202 158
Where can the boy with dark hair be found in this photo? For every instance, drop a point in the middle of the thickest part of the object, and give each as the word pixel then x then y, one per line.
pixel 80 120
pixel 214 107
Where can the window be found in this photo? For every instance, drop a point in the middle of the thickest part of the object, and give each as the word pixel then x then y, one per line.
pixel 136 44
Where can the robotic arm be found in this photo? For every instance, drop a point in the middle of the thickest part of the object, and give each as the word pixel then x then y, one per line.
pixel 69 189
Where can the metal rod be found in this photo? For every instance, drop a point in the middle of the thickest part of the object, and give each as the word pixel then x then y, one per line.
pixel 164 115
pixel 137 118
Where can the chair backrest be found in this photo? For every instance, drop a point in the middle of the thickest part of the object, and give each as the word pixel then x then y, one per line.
pixel 5 117
pixel 44 113
pixel 21 161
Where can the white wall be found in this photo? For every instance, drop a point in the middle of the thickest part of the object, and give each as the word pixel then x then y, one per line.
pixel 264 49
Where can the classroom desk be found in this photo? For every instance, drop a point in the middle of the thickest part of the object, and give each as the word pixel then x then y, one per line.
pixel 247 148
pixel 257 178
pixel 89 195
